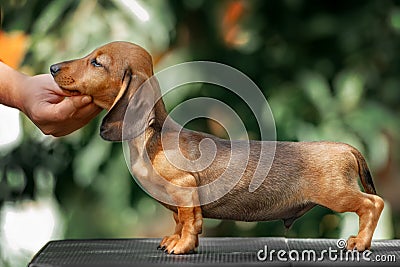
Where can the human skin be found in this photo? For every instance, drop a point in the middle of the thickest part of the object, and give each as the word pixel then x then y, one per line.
pixel 54 111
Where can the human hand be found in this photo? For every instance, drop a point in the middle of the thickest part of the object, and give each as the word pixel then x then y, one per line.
pixel 54 111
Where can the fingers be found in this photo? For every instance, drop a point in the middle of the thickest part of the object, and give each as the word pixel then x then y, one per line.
pixel 65 116
pixel 80 101
pixel 47 81
pixel 70 106
pixel 85 108
pixel 55 111
pixel 87 112
pixel 78 119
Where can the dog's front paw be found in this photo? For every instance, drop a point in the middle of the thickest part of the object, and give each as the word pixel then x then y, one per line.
pixel 182 245
pixel 169 242
pixel 355 242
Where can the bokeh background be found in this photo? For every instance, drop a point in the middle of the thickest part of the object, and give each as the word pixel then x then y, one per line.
pixel 329 69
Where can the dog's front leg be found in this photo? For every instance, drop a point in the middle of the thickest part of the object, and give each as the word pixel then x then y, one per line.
pixel 188 240
pixel 171 240
pixel 188 218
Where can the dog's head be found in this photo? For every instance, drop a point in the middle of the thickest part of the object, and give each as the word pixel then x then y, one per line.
pixel 112 75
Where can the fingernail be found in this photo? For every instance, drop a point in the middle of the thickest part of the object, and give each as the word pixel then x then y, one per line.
pixel 86 99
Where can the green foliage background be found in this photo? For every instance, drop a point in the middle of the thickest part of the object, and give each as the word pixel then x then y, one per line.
pixel 329 69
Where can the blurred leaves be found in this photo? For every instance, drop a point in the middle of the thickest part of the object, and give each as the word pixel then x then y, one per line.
pixel 87 162
pixel 12 48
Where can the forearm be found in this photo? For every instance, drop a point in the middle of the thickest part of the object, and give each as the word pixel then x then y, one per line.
pixel 10 86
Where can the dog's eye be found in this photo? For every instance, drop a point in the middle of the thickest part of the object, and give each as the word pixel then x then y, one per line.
pixel 95 63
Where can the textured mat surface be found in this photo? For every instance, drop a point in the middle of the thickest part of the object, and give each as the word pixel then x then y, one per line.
pixel 215 252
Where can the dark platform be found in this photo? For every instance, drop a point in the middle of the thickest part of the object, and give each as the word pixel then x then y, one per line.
pixel 212 252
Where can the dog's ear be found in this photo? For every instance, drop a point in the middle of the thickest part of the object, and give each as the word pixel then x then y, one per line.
pixel 132 111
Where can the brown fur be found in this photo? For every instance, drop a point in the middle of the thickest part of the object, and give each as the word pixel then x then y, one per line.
pixel 303 174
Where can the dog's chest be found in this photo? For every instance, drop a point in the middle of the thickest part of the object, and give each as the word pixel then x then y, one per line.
pixel 139 168
pixel 139 162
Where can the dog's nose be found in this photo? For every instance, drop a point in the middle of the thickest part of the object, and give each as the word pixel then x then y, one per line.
pixel 54 69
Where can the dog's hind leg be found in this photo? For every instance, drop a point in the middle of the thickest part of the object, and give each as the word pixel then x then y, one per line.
pixel 368 208
pixel 338 190
pixel 368 212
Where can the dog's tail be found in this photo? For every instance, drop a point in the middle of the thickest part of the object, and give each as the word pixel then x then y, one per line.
pixel 365 174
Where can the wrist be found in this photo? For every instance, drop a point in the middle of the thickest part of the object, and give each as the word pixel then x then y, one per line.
pixel 21 82
pixel 11 84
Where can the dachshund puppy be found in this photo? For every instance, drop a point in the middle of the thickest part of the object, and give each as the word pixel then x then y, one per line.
pixel 302 174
